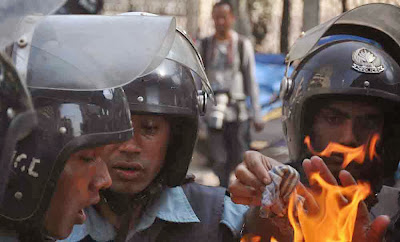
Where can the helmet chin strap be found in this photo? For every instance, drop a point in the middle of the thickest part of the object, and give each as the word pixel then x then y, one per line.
pixel 121 203
pixel 124 205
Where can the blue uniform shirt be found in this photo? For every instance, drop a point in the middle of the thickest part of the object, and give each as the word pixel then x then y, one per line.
pixel 173 206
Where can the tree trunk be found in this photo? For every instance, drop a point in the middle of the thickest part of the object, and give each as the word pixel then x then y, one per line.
pixel 242 24
pixel 285 26
pixel 344 6
pixel 310 14
pixel 192 8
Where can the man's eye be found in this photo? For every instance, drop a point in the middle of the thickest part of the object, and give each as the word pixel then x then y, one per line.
pixel 87 158
pixel 370 123
pixel 149 129
pixel 333 119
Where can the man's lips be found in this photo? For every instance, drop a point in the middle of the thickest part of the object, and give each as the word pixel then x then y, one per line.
pixel 128 170
pixel 81 217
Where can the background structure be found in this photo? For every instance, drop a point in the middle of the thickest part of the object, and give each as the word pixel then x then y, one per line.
pixel 259 19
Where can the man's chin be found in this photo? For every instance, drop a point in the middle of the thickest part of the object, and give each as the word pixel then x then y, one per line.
pixel 60 233
pixel 126 189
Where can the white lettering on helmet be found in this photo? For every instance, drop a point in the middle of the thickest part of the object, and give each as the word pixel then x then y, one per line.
pixel 19 158
pixel 31 168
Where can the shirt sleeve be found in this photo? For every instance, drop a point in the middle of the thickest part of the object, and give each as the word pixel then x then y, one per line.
pixel 248 69
pixel 233 215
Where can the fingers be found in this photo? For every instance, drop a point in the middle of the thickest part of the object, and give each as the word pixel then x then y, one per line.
pixel 242 194
pixel 309 202
pixel 249 201
pixel 346 178
pixel 378 228
pixel 248 178
pixel 259 165
pixel 239 189
pixel 316 164
pixel 252 177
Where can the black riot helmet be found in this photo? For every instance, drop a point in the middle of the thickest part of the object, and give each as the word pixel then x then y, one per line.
pixel 78 97
pixel 348 68
pixel 177 89
pixel 17 117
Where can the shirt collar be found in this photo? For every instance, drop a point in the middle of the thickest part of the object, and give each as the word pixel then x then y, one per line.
pixel 173 206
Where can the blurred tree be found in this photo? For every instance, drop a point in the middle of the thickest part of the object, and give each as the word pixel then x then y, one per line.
pixel 259 12
pixel 310 14
pixel 242 24
pixel 285 27
pixel 344 6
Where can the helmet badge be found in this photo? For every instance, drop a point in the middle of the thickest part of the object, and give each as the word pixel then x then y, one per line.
pixel 366 61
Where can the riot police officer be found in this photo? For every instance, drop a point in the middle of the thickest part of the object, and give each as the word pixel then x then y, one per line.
pixel 345 91
pixel 150 199
pixel 57 168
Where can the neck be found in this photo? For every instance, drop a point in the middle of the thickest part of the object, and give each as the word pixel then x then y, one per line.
pixel 223 36
pixel 116 220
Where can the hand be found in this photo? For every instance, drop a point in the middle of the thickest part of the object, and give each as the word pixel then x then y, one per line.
pixel 251 178
pixel 363 230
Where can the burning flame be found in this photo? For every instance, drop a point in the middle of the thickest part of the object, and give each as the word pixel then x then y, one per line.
pixel 349 153
pixel 273 239
pixel 251 238
pixel 254 238
pixel 333 221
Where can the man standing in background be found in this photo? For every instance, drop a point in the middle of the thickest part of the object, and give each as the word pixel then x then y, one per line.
pixel 230 66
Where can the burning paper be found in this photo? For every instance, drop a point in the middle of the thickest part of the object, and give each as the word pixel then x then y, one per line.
pixel 350 154
pixel 333 221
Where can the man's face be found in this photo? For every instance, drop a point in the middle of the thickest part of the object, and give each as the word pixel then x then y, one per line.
pixel 223 19
pixel 134 164
pixel 84 174
pixel 348 123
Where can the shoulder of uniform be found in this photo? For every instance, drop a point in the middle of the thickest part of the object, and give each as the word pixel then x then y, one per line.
pixel 197 188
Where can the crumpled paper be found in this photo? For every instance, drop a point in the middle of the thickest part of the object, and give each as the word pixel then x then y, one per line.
pixel 276 196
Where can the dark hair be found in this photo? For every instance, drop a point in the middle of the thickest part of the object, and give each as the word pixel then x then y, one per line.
pixel 222 3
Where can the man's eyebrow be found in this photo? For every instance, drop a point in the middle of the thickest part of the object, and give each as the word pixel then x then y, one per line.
pixel 373 116
pixel 335 111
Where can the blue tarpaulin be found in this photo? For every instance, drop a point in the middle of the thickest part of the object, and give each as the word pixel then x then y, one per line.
pixel 270 69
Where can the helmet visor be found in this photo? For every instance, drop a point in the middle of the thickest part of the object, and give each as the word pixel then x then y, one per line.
pixel 85 52
pixel 16 17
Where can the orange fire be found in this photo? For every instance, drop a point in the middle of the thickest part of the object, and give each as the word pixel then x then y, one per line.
pixel 273 239
pixel 333 221
pixel 250 238
pixel 349 153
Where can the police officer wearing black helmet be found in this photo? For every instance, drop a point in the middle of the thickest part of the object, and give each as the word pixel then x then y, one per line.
pixel 150 199
pixel 345 90
pixel 57 167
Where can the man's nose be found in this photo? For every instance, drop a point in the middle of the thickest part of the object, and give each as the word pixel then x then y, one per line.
pixel 131 146
pixel 102 179
pixel 348 136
